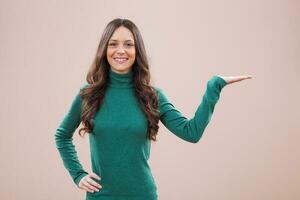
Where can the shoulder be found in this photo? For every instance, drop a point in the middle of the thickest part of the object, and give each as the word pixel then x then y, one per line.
pixel 160 93
pixel 158 90
pixel 85 85
pixel 79 92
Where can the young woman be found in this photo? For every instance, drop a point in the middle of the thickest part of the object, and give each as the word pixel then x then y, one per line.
pixel 120 110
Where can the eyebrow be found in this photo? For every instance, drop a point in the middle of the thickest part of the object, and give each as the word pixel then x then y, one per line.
pixel 124 41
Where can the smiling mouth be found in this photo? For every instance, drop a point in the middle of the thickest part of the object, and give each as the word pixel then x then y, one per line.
pixel 120 60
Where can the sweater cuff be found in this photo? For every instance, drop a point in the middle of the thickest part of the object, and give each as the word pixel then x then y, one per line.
pixel 219 81
pixel 77 179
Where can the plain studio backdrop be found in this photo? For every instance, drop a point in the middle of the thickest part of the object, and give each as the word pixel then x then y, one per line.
pixel 249 150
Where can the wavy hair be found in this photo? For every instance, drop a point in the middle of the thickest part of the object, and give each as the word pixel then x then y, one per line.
pixel 97 78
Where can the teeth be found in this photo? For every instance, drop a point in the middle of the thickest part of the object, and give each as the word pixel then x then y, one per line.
pixel 120 59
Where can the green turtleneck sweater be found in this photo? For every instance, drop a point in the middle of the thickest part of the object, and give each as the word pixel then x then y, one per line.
pixel 119 148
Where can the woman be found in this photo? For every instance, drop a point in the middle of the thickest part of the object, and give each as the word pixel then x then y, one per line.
pixel 120 110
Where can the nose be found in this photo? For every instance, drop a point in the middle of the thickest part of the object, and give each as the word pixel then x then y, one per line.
pixel 120 49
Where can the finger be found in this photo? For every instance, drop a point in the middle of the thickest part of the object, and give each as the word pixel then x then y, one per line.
pixel 87 184
pixel 239 78
pixel 95 176
pixel 92 182
pixel 83 187
pixel 244 77
pixel 86 189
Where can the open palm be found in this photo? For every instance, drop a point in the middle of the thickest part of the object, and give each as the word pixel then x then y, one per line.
pixel 233 79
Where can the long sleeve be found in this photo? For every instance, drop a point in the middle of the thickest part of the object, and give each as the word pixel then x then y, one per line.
pixel 63 140
pixel 192 129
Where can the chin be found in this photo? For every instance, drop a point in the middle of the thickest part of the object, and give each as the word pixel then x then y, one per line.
pixel 121 68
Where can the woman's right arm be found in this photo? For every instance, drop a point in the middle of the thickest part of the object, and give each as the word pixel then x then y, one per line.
pixel 63 140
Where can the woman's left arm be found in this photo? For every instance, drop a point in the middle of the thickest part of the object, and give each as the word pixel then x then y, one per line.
pixel 192 129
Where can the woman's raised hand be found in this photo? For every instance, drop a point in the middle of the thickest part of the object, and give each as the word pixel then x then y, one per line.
pixel 233 79
pixel 88 184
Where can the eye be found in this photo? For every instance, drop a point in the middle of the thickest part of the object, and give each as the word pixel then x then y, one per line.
pixel 130 44
pixel 112 44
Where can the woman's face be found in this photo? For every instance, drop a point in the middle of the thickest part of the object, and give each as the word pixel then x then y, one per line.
pixel 121 50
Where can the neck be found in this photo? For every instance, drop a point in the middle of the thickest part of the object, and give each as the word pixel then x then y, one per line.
pixel 118 80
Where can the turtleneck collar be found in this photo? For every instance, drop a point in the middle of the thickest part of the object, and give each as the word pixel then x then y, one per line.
pixel 118 80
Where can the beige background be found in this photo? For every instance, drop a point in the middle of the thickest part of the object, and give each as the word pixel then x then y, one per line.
pixel 250 149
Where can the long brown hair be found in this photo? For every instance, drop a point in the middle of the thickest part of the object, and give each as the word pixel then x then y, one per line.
pixel 97 78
